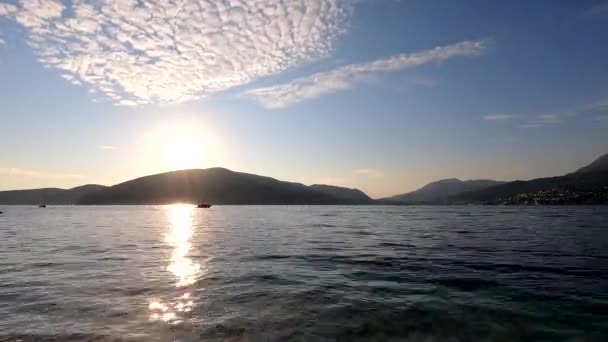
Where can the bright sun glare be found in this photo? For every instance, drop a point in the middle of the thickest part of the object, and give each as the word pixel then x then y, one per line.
pixel 183 152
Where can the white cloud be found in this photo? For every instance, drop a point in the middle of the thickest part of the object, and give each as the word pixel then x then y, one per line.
pixel 500 117
pixel 163 51
pixel 368 172
pixel 107 147
pixel 347 76
pixel 1 41
pixel 13 171
pixel 7 9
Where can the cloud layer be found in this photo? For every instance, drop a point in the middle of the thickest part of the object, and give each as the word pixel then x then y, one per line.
pixel 500 117
pixel 368 172
pixel 544 120
pixel 13 171
pixel 167 51
pixel 345 77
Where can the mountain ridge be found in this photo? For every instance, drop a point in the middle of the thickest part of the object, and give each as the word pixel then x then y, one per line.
pixel 440 191
pixel 215 185
pixel 598 165
pixel 47 195
pixel 218 186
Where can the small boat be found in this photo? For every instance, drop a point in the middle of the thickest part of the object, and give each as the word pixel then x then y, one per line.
pixel 42 206
pixel 203 205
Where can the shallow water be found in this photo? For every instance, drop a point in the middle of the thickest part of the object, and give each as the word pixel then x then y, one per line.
pixel 304 273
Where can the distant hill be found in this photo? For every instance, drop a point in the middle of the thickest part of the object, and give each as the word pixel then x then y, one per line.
pixel 47 196
pixel 573 188
pixel 599 165
pixel 588 185
pixel 343 194
pixel 220 186
pixel 440 191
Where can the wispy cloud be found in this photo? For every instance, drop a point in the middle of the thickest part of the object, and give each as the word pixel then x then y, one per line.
pixel 368 172
pixel 544 120
pixel 1 40
pixel 13 171
pixel 601 118
pixel 600 105
pixel 138 52
pixel 500 117
pixel 107 147
pixel 598 9
pixel 347 76
pixel 599 108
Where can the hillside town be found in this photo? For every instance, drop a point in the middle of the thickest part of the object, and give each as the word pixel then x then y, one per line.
pixel 558 195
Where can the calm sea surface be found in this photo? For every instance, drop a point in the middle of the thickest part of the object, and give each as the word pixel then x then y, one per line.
pixel 304 273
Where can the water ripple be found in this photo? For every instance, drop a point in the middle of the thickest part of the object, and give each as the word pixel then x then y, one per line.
pixel 309 273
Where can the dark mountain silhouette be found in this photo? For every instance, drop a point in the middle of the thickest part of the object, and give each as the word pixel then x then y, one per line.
pixel 440 191
pixel 343 194
pixel 219 186
pixel 599 165
pixel 48 195
pixel 588 185
pixel 573 188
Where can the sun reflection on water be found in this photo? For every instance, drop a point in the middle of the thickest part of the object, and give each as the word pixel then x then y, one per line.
pixel 184 269
pixel 180 265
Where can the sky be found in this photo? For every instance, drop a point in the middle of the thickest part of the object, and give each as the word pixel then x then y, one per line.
pixel 380 95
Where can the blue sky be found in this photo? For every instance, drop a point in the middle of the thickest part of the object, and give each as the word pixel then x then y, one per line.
pixel 384 96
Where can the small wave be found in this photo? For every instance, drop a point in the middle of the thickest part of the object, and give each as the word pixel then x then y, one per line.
pixel 424 219
pixel 366 276
pixel 395 245
pixel 466 284
pixel 67 248
pixel 516 268
pixel 322 225
pixel 327 249
pixel 273 279
pixel 63 337
pixel 114 258
pixel 555 215
pixel 131 291
pixel 361 232
pixel 269 257
pixel 43 264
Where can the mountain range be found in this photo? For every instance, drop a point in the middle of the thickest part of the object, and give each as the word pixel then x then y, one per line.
pixel 47 195
pixel 214 185
pixel 587 185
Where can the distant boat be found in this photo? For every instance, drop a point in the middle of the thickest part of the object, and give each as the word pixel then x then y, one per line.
pixel 203 205
pixel 42 206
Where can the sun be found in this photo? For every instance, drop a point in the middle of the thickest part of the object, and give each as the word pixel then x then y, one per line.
pixel 183 152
